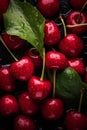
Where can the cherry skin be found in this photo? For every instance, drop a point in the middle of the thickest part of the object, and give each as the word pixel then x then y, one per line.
pixel 77 4
pixel 73 19
pixel 75 120
pixel 8 105
pixel 78 65
pixel 48 8
pixel 7 82
pixel 56 60
pixel 27 105
pixel 3 6
pixel 22 122
pixel 22 69
pixel 39 89
pixel 52 109
pixel 71 45
pixel 52 33
pixel 13 42
pixel 35 56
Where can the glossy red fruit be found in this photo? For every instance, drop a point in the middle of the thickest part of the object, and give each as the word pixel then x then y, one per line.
pixel 78 65
pixel 77 4
pixel 3 6
pixel 75 121
pixel 48 8
pixel 71 45
pixel 52 109
pixel 27 105
pixel 35 56
pixel 56 60
pixel 13 42
pixel 8 105
pixel 22 69
pixel 7 82
pixel 52 33
pixel 22 122
pixel 73 19
pixel 39 89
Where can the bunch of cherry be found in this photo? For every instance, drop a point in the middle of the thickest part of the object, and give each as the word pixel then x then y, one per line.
pixel 25 86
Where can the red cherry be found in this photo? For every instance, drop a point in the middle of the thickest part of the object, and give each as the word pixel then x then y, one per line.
pixel 13 42
pixel 75 120
pixel 3 6
pixel 7 82
pixel 77 4
pixel 27 105
pixel 74 18
pixel 22 69
pixel 48 8
pixel 39 89
pixel 71 45
pixel 52 33
pixel 52 109
pixel 35 56
pixel 8 105
pixel 78 65
pixel 22 122
pixel 56 60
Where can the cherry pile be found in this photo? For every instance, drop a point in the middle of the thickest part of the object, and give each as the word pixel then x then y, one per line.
pixel 27 95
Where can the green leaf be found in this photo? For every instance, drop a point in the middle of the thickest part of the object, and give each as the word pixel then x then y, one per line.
pixel 68 85
pixel 24 20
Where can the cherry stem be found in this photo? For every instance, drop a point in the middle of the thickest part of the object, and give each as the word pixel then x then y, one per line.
pixel 8 48
pixel 82 10
pixel 43 68
pixel 54 82
pixel 76 25
pixel 65 33
pixel 81 97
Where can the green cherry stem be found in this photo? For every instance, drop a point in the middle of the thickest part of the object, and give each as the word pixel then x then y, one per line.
pixel 8 48
pixel 81 97
pixel 54 82
pixel 82 10
pixel 76 25
pixel 43 68
pixel 65 32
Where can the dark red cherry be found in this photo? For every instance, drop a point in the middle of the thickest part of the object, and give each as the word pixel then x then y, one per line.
pixel 8 105
pixel 13 42
pixel 7 82
pixel 52 109
pixel 48 8
pixel 74 18
pixel 52 33
pixel 3 6
pixel 27 105
pixel 22 122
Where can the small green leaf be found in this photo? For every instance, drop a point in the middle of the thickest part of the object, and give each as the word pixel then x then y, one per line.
pixel 68 85
pixel 24 20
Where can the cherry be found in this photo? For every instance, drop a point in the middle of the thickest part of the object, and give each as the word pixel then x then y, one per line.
pixel 22 122
pixel 77 4
pixel 3 6
pixel 27 105
pixel 71 45
pixel 78 65
pixel 75 18
pixel 22 69
pixel 8 105
pixel 13 42
pixel 52 109
pixel 48 8
pixel 52 33
pixel 35 56
pixel 38 88
pixel 75 120
pixel 7 82
pixel 56 60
